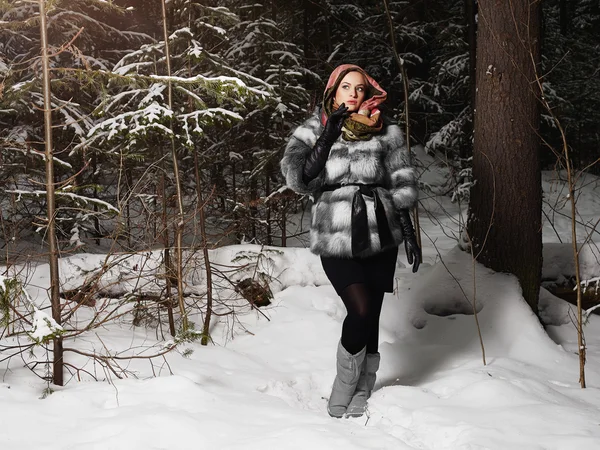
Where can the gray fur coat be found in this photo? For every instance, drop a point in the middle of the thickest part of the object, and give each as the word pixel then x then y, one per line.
pixel 383 160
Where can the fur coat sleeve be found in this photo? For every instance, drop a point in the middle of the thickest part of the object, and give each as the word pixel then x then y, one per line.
pixel 401 177
pixel 297 150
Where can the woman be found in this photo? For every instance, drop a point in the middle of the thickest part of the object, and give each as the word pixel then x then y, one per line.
pixel 357 168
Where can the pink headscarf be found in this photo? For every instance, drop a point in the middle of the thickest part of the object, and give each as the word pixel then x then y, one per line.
pixel 367 121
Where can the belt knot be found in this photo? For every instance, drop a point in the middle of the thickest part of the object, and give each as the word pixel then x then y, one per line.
pixel 361 237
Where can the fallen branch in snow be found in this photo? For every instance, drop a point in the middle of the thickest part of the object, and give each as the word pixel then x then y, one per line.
pixel 110 361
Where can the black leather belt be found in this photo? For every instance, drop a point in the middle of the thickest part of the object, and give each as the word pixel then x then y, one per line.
pixel 360 222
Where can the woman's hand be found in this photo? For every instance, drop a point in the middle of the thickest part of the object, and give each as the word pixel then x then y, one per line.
pixel 413 251
pixel 334 125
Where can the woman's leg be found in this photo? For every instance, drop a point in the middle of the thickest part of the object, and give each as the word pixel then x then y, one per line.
pixel 366 381
pixel 351 348
pixel 376 302
pixel 356 326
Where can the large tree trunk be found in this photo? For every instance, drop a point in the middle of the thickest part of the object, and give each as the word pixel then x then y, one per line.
pixel 505 219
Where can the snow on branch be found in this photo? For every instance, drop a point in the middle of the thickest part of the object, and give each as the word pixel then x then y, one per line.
pixel 220 80
pixel 134 122
pixel 44 328
pixel 205 116
pixel 591 282
pixel 448 136
pixel 71 195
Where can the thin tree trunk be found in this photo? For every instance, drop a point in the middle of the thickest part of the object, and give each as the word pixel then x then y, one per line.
pixel 129 179
pixel 402 68
pixel 421 8
pixel 167 257
pixel 234 198
pixel 564 17
pixel 471 38
pixel 207 317
pixel 283 224
pixel 267 174
pixel 253 201
pixel 572 181
pixel 506 203
pixel 153 216
pixel 268 207
pixel 95 181
pixel 306 40
pixel 57 364
pixel 180 222
pixel 328 34
pixel 233 184
pixel 573 199
pixel 222 188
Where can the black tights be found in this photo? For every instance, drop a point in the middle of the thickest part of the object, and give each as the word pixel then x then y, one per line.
pixel 361 326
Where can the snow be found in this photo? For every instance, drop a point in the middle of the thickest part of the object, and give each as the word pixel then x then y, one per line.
pixel 263 381
pixel 43 327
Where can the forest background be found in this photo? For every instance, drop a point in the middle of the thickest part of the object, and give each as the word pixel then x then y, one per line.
pixel 148 146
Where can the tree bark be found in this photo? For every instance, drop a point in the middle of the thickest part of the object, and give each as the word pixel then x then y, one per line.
pixel 506 204
pixel 57 364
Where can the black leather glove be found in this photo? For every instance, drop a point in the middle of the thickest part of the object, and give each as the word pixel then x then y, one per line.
pixel 413 252
pixel 315 162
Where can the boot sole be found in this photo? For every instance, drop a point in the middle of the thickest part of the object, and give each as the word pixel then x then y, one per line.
pixel 334 415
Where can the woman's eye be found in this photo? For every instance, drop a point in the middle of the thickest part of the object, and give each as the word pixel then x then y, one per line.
pixel 360 89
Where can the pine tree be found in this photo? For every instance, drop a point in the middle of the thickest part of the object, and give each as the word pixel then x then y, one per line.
pixel 78 43
pixel 505 209
pixel 258 46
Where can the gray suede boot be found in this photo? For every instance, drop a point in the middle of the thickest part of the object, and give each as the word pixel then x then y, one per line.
pixel 344 385
pixel 365 385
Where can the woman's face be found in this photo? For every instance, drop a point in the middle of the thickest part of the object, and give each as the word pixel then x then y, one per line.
pixel 351 91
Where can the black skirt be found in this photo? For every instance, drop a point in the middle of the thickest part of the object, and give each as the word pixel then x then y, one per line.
pixel 377 270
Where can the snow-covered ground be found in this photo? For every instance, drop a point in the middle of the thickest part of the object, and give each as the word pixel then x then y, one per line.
pixel 263 383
